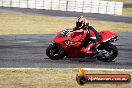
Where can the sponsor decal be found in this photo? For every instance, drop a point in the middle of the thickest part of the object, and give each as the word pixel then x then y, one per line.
pixel 83 78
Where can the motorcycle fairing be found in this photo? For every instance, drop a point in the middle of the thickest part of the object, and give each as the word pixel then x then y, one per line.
pixel 76 51
pixel 107 35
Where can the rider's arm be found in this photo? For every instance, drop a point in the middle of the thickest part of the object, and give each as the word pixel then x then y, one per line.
pixel 92 36
pixel 89 27
pixel 75 29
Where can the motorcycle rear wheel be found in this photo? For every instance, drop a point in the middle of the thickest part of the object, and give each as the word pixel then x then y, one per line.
pixel 54 52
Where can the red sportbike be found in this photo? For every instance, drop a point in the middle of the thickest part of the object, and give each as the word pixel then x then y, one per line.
pixel 63 47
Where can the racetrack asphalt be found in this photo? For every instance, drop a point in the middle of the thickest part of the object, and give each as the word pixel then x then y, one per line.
pixel 66 14
pixel 28 51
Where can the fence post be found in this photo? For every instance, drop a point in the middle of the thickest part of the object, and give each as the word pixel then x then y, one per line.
pixel 35 4
pixel 43 4
pixel 91 6
pixel 98 6
pixel 2 3
pixel 75 5
pixel 51 5
pixel 10 3
pixel 59 5
pixel 19 3
pixel 83 6
pixel 114 8
pixel 67 5
pixel 106 8
pixel 27 3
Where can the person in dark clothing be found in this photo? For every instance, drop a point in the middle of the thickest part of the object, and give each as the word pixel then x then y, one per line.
pixel 90 35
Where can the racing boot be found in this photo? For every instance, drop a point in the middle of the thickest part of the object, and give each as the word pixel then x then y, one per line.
pixel 86 50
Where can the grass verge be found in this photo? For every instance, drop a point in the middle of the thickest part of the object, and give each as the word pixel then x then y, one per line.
pixel 127 12
pixel 51 78
pixel 12 23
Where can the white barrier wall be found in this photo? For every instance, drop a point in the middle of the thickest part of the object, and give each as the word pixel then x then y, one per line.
pixel 85 6
pixel 63 5
pixel 15 3
pixel 31 4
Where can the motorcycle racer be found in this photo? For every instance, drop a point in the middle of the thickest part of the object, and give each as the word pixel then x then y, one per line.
pixel 86 42
pixel 90 35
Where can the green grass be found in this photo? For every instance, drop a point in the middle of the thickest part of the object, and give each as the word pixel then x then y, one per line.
pixel 51 78
pixel 12 23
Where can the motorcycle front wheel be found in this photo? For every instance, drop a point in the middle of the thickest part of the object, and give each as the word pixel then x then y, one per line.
pixel 55 52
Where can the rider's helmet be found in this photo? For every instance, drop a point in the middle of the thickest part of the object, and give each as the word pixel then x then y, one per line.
pixel 81 22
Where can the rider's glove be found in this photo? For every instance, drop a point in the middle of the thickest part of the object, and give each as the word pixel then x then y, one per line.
pixel 69 30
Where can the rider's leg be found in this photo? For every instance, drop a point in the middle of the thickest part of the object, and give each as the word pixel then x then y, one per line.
pixel 87 49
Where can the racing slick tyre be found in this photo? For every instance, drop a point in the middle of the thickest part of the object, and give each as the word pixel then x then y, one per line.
pixel 110 52
pixel 54 52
